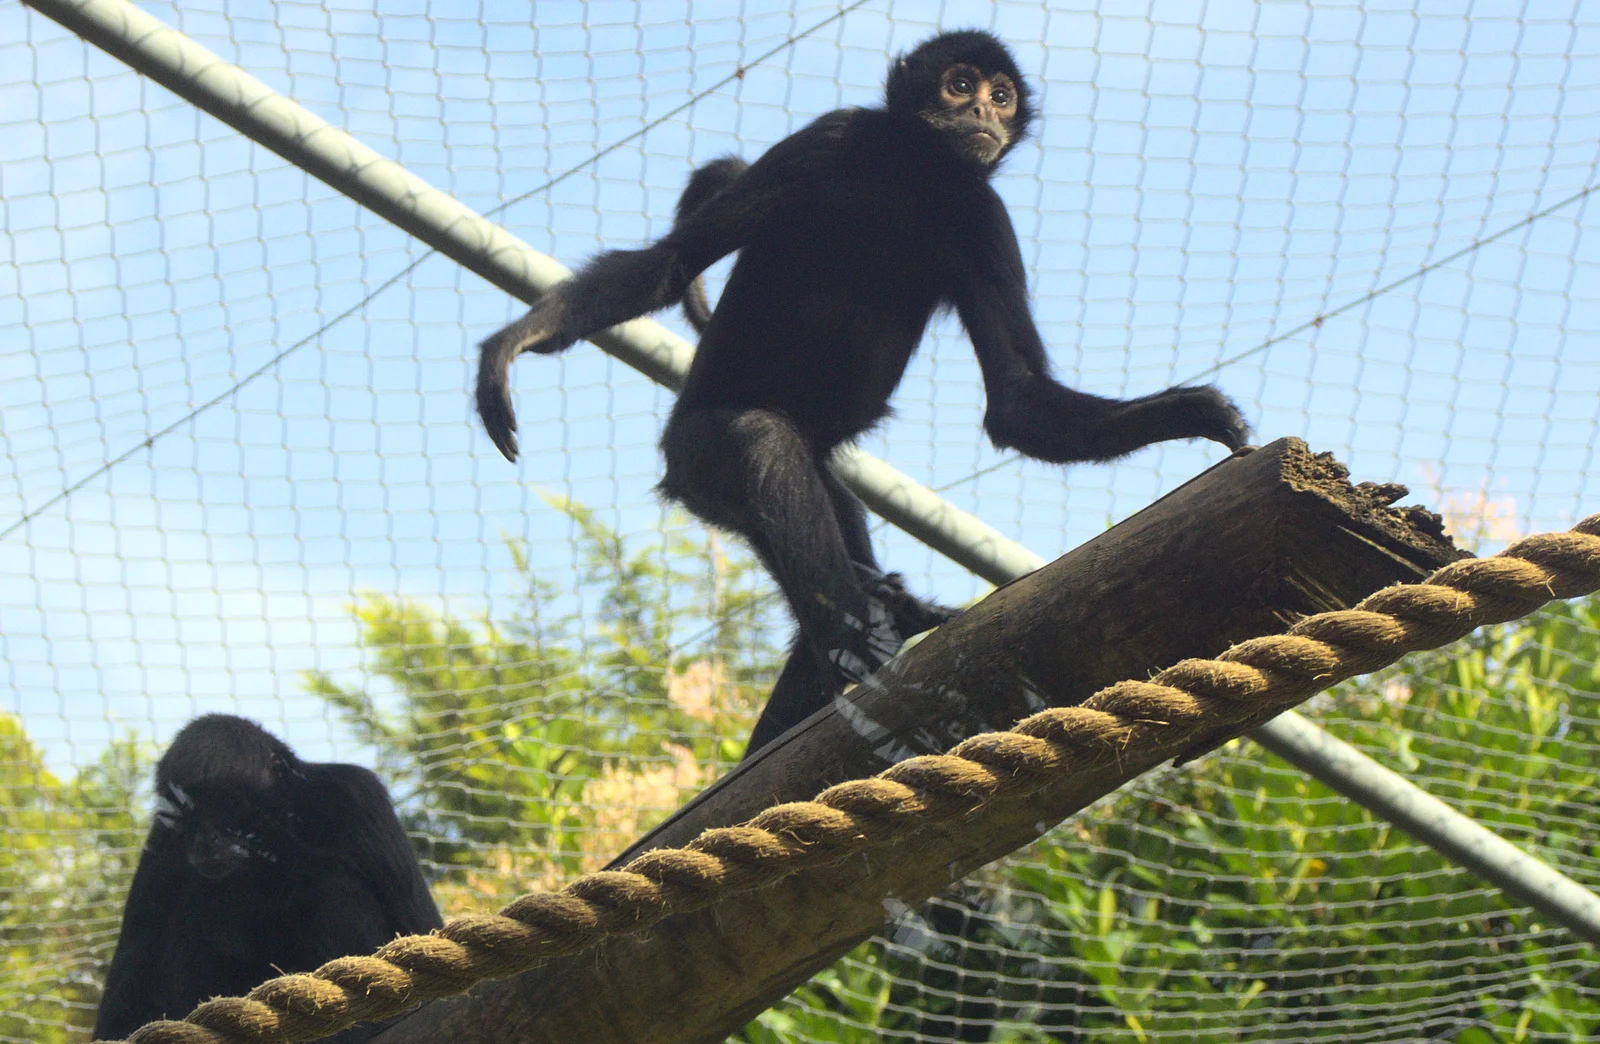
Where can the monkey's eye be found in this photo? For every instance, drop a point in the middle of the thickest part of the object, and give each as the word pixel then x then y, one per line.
pixel 1000 96
pixel 961 85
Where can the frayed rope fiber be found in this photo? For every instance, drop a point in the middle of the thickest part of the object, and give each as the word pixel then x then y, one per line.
pixel 1180 703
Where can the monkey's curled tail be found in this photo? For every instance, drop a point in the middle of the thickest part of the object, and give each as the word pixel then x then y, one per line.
pixel 704 183
pixel 536 331
pixel 497 352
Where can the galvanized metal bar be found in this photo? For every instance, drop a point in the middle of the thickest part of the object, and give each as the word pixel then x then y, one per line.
pixel 1459 838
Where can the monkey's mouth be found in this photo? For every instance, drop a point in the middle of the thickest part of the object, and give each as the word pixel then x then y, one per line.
pixel 215 857
pixel 984 144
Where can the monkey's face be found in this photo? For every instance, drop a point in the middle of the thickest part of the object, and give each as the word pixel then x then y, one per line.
pixel 218 828
pixel 216 853
pixel 966 86
pixel 976 109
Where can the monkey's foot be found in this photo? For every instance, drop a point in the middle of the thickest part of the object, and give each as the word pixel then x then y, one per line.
pixel 873 643
pixel 909 614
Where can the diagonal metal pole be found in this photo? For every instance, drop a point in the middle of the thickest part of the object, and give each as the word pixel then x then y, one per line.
pixel 336 158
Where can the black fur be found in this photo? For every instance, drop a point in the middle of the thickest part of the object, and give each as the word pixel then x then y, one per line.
pixel 850 234
pixel 258 864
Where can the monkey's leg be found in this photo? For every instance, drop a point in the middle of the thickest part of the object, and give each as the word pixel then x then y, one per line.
pixel 912 615
pixel 802 687
pixel 801 690
pixel 751 471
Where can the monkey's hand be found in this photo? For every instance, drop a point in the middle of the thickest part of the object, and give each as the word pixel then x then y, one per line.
pixel 1213 415
pixel 541 332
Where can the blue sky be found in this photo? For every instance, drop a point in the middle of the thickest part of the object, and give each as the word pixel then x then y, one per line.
pixel 1205 178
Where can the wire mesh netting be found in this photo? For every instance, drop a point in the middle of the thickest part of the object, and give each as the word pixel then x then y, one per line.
pixel 241 474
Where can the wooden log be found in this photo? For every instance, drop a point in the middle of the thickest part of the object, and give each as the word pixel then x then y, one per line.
pixel 1241 550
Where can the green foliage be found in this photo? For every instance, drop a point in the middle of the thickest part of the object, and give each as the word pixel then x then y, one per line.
pixel 67 852
pixel 521 749
pixel 1239 898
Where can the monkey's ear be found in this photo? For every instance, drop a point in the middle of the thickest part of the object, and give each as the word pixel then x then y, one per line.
pixel 902 65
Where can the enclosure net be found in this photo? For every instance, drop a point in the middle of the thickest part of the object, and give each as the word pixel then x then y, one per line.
pixel 241 474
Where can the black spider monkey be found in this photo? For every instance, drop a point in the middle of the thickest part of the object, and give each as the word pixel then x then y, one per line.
pixel 851 233
pixel 257 864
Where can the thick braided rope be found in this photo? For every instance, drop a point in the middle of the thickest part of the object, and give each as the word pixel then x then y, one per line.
pixel 1178 704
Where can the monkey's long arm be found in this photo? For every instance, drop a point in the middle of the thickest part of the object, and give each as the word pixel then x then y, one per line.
pixel 1028 410
pixel 623 284
pixel 353 812
pixel 152 903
